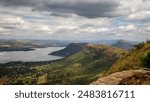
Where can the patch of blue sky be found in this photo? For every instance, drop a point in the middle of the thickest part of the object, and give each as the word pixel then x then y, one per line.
pixel 32 17
pixel 123 21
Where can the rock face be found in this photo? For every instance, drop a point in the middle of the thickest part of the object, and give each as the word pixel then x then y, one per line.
pixel 130 77
pixel 70 49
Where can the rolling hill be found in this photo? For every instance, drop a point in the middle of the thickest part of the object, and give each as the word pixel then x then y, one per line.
pixel 84 66
pixel 124 44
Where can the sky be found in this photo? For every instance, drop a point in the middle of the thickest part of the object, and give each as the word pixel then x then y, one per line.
pixel 75 19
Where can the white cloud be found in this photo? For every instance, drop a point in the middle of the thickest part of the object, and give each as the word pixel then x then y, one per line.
pixel 10 21
pixel 135 9
pixel 127 28
pixel 148 28
pixel 140 15
pixel 24 21
pixel 3 29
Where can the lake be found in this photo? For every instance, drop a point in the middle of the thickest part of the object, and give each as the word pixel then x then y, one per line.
pixel 39 54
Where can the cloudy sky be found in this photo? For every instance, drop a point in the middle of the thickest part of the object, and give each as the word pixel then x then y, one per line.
pixel 75 19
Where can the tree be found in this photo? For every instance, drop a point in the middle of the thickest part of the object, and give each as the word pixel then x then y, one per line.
pixel 146 60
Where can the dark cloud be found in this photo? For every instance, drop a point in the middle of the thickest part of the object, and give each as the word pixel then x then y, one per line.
pixel 16 2
pixel 86 8
pixel 59 14
pixel 7 27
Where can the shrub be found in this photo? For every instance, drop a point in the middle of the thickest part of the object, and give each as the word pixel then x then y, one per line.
pixel 146 60
pixel 139 46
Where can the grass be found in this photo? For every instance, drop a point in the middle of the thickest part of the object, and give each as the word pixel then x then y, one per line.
pixel 132 60
pixel 82 67
pixel 42 79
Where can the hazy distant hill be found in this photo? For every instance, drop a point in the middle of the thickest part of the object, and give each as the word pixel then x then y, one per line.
pixel 70 49
pixel 27 45
pixel 124 44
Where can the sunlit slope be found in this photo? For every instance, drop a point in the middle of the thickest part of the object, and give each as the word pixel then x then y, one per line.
pixel 137 58
pixel 82 67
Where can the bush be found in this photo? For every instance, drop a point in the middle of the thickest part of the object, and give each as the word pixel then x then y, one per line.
pixel 146 60
pixel 139 46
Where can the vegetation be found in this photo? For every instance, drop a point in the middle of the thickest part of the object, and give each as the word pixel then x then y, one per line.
pixel 80 68
pixel 83 67
pixel 42 79
pixel 135 59
pixel 146 60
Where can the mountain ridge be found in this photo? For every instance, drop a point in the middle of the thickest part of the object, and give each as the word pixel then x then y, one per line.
pixel 132 59
pixel 71 49
pixel 124 44
pixel 133 68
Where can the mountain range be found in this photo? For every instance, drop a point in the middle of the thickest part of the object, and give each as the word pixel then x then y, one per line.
pixel 76 47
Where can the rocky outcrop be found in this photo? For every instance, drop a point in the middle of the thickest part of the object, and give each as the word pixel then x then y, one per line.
pixel 130 77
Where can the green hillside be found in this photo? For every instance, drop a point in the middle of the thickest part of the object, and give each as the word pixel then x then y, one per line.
pixel 83 67
pixel 80 68
pixel 137 58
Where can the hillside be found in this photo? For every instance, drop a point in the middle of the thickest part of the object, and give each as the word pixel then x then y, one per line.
pixel 84 66
pixel 124 44
pixel 80 68
pixel 134 59
pixel 130 77
pixel 70 49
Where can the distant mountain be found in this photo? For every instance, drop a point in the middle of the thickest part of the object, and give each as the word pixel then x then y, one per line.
pixel 124 44
pixel 70 49
pixel 15 49
pixel 28 45
pixel 104 42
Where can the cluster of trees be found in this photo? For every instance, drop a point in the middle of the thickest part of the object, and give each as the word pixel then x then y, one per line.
pixel 146 60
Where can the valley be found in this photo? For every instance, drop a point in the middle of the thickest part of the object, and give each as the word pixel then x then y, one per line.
pixel 83 67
